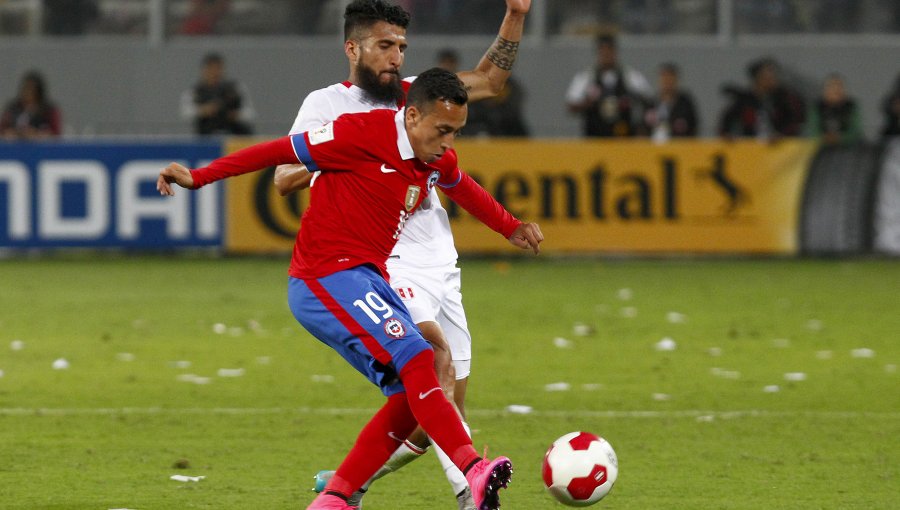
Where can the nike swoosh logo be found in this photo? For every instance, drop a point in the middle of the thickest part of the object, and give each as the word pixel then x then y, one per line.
pixel 429 392
pixel 394 437
pixel 386 170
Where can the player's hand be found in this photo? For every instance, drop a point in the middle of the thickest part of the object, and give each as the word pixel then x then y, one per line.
pixel 179 174
pixel 518 6
pixel 527 235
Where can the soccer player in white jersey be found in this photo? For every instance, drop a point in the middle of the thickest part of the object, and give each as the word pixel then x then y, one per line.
pixel 422 266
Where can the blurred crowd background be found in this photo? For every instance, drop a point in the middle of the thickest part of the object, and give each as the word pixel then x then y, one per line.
pixel 132 67
pixel 557 17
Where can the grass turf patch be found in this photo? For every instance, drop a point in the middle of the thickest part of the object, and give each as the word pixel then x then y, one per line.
pixel 147 339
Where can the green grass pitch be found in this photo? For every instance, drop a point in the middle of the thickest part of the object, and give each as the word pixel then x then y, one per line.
pixel 196 367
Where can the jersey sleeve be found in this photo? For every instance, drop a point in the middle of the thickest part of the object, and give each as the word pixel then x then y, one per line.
pixel 315 111
pixel 478 202
pixel 250 159
pixel 333 146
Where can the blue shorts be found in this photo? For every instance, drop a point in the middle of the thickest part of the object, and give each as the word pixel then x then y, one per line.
pixel 358 314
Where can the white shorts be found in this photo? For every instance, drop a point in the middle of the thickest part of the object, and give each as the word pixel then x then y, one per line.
pixel 433 295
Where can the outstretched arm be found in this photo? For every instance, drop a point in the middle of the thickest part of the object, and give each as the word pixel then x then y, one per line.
pixel 495 67
pixel 250 159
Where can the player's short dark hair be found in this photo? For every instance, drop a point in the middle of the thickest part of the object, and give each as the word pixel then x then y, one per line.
pixel 362 14
pixel 436 84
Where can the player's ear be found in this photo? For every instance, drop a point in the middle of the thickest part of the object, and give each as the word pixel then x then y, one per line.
pixel 412 115
pixel 351 49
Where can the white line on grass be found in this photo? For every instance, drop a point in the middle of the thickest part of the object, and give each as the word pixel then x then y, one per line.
pixel 333 411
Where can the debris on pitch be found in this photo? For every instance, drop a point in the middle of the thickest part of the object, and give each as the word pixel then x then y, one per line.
pixel 519 409
pixel 562 343
pixel 184 478
pixel 862 353
pixel 557 386
pixel 231 372
pixel 666 344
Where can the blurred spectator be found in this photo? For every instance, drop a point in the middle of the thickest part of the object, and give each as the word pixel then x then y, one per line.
pixel 203 16
pixel 609 96
pixel 891 111
pixel 768 110
pixel 69 17
pixel 448 60
pixel 217 105
pixel 30 115
pixel 500 115
pixel 672 113
pixel 834 117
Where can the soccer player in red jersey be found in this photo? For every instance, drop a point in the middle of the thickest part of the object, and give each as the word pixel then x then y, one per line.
pixel 423 264
pixel 377 167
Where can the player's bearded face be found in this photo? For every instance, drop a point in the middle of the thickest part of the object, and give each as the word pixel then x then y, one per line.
pixel 383 86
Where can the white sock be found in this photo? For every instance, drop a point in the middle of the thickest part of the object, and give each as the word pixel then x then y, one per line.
pixel 456 478
pixel 403 455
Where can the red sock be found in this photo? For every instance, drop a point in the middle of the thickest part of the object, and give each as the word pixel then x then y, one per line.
pixel 433 412
pixel 375 444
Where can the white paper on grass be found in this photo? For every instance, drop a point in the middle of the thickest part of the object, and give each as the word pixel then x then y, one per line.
pixel 862 353
pixel 17 345
pixel 185 478
pixel 666 344
pixel 675 317
pixel 519 409
pixel 562 343
pixel 60 364
pixel 558 386
pixel 193 378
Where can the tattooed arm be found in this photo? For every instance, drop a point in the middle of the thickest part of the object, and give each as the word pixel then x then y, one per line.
pixel 491 73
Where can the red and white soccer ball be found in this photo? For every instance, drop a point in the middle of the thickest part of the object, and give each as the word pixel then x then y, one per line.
pixel 580 469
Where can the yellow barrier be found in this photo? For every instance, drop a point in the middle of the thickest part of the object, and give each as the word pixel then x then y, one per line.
pixel 698 196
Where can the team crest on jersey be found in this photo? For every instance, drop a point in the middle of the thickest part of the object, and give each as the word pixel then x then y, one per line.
pixel 433 178
pixel 322 134
pixel 394 328
pixel 412 197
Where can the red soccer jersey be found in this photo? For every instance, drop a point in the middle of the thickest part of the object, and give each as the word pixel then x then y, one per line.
pixel 371 183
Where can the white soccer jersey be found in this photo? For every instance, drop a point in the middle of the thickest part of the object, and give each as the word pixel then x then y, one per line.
pixel 426 240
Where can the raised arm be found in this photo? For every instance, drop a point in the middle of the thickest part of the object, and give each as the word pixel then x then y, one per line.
pixel 495 67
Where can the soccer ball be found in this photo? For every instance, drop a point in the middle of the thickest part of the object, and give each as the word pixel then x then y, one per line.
pixel 580 469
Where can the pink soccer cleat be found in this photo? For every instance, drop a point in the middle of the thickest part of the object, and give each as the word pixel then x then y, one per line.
pixel 329 502
pixel 486 479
